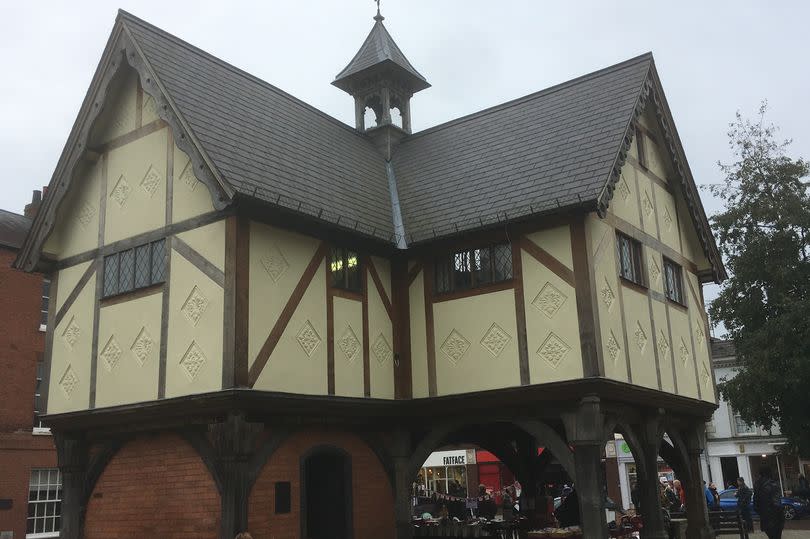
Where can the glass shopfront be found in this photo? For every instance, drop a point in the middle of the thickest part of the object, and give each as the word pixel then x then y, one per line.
pixel 445 472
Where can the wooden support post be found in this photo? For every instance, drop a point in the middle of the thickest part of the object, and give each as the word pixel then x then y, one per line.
pixel 400 445
pixel 586 432
pixel 649 437
pixel 697 512
pixel 72 453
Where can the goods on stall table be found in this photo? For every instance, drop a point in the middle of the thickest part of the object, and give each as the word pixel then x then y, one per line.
pixel 573 532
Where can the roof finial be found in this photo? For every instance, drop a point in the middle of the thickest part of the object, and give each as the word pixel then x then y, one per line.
pixel 378 17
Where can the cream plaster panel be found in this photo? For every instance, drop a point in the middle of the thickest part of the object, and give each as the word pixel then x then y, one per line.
pixel 633 151
pixel 209 241
pixel 667 218
pixel 664 352
pixel 654 267
pixel 624 203
pixel 700 333
pixel 639 338
pixel 348 320
pixel 551 307
pixel 381 350
pixel 190 197
pixel 298 364
pixel 68 279
pixel 149 110
pixel 76 227
pixel 69 387
pixel 419 368
pixel 647 120
pixel 383 268
pixel 128 377
pixel 683 352
pixel 476 368
pixel 136 187
pixel 610 315
pixel 287 255
pixel 119 114
pixel 196 305
pixel 648 206
pixel 557 241
pixel 657 159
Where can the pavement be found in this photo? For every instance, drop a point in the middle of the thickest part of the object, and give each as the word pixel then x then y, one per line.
pixel 796 529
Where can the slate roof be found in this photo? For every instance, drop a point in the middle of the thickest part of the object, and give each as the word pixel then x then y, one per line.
pixel 268 144
pixel 722 349
pixel 551 149
pixel 13 229
pixel 378 48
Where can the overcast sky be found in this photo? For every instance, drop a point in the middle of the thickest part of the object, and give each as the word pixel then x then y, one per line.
pixel 713 57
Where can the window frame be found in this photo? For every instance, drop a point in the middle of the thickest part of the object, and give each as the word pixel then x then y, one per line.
pixel 46 302
pixel 678 272
pixel 345 257
pixel 152 247
pixel 638 276
pixel 38 427
pixel 445 268
pixel 738 432
pixel 55 519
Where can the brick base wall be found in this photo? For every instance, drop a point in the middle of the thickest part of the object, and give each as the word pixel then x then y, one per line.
pixel 155 486
pixel 19 454
pixel 373 513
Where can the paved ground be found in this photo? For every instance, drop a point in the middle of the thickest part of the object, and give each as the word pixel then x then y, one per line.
pixel 797 529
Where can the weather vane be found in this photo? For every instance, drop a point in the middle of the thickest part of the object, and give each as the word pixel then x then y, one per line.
pixel 378 17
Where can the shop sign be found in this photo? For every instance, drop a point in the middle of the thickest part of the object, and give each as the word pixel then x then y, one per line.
pixel 450 458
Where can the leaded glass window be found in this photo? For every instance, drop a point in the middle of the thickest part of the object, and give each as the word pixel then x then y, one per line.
pixel 346 270
pixel 629 252
pixel 132 269
pixel 673 281
pixel 473 268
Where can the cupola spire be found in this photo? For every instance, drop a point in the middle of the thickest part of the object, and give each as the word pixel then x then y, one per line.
pixel 381 78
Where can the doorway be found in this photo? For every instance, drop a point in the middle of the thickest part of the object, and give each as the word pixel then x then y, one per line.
pixel 326 494
pixel 731 471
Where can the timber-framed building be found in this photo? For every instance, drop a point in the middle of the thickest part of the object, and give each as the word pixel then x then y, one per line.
pixel 249 296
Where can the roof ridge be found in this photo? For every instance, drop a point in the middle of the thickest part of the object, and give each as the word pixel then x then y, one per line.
pixel 534 95
pixel 14 213
pixel 129 17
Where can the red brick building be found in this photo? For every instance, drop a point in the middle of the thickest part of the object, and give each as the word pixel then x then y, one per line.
pixel 27 455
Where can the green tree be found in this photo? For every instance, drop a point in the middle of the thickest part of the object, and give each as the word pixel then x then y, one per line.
pixel 764 235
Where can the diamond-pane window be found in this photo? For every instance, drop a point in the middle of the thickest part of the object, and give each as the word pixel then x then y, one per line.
pixel 126 271
pixel 346 272
pixel 673 281
pixel 158 261
pixel 143 270
pixel 473 268
pixel 110 275
pixel 629 258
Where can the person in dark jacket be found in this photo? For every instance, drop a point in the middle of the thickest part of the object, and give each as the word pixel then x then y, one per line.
pixel 768 503
pixel 568 512
pixel 744 495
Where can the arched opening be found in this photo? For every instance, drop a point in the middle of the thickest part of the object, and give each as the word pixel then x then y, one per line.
pixel 369 118
pixel 373 112
pixel 326 494
pixel 500 470
pixel 396 117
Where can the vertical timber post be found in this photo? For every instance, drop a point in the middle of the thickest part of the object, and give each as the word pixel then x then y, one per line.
pixel 72 453
pixel 650 435
pixel 401 453
pixel 697 512
pixel 587 435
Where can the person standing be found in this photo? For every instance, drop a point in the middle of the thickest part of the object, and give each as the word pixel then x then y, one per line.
pixel 744 495
pixel 715 497
pixel 768 503
pixel 681 494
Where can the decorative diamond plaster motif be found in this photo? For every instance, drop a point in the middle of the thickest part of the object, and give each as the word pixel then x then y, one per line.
pixel 655 270
pixel 683 350
pixel 308 338
pixel 667 219
pixel 349 344
pixel 86 215
pixel 455 346
pixel 705 377
pixel 111 354
pixel 194 306
pixel 121 191
pixel 608 297
pixel 193 361
pixel 274 262
pixel 549 300
pixel 495 340
pixel 623 188
pixel 553 350
pixel 142 346
pixel 187 176
pixel 69 381
pixel 613 347
pixel 701 333
pixel 151 181
pixel 647 205
pixel 640 336
pixel 663 345
pixel 71 333
pixel 382 350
